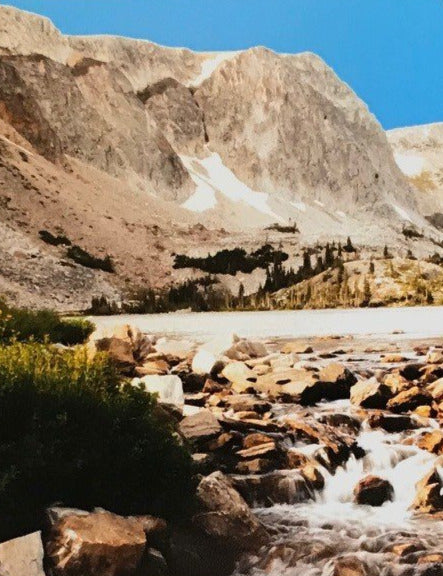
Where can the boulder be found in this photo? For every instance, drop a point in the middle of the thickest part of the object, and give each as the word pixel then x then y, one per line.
pixel 152 368
pixel 168 388
pixel 429 496
pixel 277 487
pixel 294 385
pixel 337 381
pixel 338 445
pixel 200 427
pixel 99 543
pixel 179 349
pixel 296 347
pixel 22 556
pixel 370 394
pixel 246 402
pixel 239 374
pixel 396 382
pixel 434 357
pixel 256 439
pixel 373 491
pixel 125 344
pixel 226 516
pixel 436 389
pixel 350 566
pixel 432 442
pixel 409 400
pixel 392 423
pixel 255 466
pixel 393 358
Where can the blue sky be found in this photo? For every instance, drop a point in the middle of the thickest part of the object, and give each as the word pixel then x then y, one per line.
pixel 389 51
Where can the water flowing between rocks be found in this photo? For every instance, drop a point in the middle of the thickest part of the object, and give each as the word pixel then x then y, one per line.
pixel 309 538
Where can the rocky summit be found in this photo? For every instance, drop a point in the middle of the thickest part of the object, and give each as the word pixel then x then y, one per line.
pixel 122 149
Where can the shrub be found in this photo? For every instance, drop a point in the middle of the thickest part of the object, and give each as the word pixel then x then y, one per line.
pixel 49 238
pixel 39 325
pixel 71 433
pixel 83 258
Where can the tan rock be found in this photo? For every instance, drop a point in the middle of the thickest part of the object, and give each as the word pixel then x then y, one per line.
pixel 350 566
pixel 98 543
pixel 22 556
pixel 428 498
pixel 409 400
pixel 256 439
pixel 239 373
pixel 200 427
pixel 432 442
pixel 370 394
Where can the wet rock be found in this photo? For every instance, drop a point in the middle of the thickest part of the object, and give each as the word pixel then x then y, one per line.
pixel 277 487
pixel 337 381
pixel 226 516
pixel 432 442
pixel 169 389
pixel 350 566
pixel 22 556
pixel 428 498
pixel 200 427
pixel 338 445
pixel 343 421
pixel 370 394
pixel 409 400
pixel 373 491
pixel 391 423
pixel 98 543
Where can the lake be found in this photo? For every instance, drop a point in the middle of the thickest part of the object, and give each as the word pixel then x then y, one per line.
pixel 417 322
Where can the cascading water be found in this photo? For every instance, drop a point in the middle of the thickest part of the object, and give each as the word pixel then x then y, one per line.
pixel 309 538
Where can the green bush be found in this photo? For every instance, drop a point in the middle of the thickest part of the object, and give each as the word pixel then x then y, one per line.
pixel 71 433
pixel 40 325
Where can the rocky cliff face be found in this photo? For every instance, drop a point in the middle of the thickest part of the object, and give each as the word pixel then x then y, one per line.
pixel 127 148
pixel 419 154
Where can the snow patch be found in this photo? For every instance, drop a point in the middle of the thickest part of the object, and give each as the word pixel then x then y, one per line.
pixel 409 164
pixel 210 65
pixel 340 213
pixel 319 203
pixel 401 212
pixel 300 206
pixel 214 176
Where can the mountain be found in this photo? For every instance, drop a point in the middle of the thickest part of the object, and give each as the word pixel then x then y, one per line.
pixel 418 151
pixel 121 148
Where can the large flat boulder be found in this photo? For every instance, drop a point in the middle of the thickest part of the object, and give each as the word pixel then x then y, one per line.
pixel 200 427
pixel 22 556
pixel 99 543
